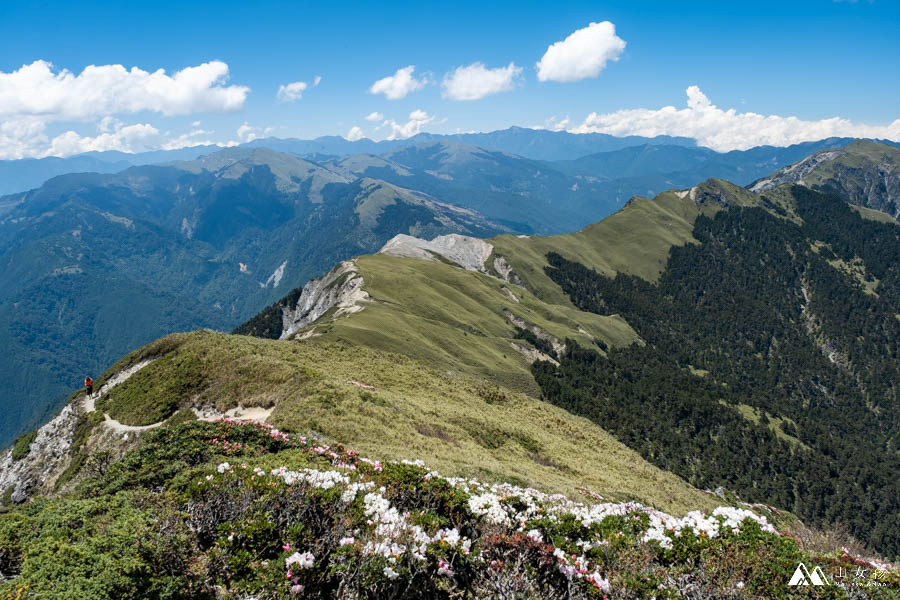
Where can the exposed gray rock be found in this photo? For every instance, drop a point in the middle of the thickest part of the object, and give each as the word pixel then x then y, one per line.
pixel 520 323
pixel 796 172
pixel 468 252
pixel 505 270
pixel 532 354
pixel 48 457
pixel 340 288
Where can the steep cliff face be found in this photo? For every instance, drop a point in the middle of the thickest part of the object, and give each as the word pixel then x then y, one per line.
pixel 340 289
pixel 48 456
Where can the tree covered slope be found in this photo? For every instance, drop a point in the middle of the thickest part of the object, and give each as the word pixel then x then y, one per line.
pixel 770 364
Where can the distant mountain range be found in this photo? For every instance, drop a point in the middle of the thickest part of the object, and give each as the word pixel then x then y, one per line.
pixel 98 264
pixel 26 174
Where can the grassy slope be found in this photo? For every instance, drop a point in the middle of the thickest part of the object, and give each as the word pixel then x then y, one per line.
pixel 454 319
pixel 456 424
pixel 873 215
pixel 635 240
pixel 858 155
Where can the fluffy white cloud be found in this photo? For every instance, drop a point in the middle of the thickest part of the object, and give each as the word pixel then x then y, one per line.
pixel 477 81
pixel 22 137
pixel 192 138
pixel 36 95
pixel 374 116
pixel 581 55
pixel 355 134
pixel 725 130
pixel 35 90
pixel 418 119
pixel 399 84
pixel 291 92
pixel 129 138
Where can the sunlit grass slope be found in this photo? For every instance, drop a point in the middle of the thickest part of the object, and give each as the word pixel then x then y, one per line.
pixel 457 320
pixel 456 424
pixel 635 240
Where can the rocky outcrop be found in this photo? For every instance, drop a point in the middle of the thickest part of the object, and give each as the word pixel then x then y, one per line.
pixel 866 173
pixel 340 289
pixel 48 456
pixel 520 323
pixel 51 451
pixel 532 354
pixel 505 270
pixel 468 252
pixel 796 172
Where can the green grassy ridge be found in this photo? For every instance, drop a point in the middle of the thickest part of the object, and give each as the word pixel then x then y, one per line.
pixel 455 319
pixel 457 424
pixel 635 240
pixel 861 154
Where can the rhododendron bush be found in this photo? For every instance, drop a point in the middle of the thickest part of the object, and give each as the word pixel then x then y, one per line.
pixel 241 510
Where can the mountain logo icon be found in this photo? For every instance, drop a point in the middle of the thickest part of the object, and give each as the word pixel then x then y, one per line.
pixel 802 576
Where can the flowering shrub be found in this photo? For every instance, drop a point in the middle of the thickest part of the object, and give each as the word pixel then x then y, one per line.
pixel 242 511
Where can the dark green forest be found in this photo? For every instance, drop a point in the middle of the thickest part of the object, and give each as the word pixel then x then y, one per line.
pixel 767 367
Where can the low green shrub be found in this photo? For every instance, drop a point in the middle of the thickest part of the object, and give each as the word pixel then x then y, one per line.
pixel 22 445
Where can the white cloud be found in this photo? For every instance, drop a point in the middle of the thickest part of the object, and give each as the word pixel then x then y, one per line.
pixel 316 80
pixel 35 90
pixel 355 134
pixel 399 84
pixel 581 55
pixel 36 95
pixel 725 130
pixel 248 133
pixel 291 92
pixel 477 81
pixel 128 138
pixel 186 140
pixel 418 119
pixel 375 116
pixel 552 124
pixel 22 137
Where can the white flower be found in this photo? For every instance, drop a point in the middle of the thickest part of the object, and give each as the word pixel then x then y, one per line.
pixel 390 573
pixel 599 582
pixel 303 561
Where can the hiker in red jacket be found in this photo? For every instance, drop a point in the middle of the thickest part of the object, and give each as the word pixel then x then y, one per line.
pixel 89 386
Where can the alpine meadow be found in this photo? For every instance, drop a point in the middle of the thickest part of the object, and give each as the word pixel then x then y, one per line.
pixel 449 301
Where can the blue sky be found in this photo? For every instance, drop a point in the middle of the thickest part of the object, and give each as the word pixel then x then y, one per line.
pixel 811 60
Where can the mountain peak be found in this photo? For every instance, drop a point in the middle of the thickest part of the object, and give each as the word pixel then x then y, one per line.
pixel 865 172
